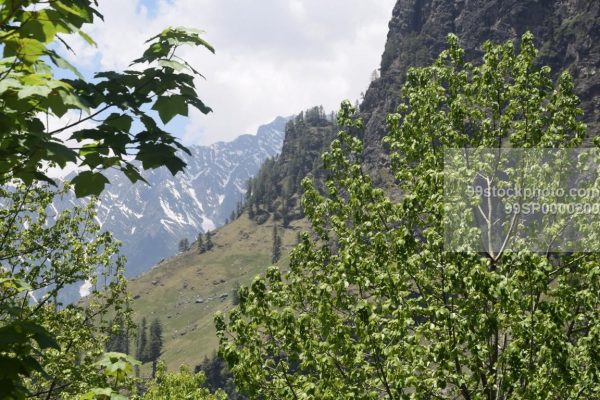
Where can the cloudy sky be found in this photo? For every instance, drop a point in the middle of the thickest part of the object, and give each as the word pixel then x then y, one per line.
pixel 273 57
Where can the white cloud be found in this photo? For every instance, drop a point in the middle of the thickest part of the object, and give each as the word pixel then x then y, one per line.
pixel 85 289
pixel 273 57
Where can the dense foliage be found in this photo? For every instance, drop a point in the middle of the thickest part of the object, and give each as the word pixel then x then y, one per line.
pixel 276 250
pixel 218 376
pixel 41 255
pixel 182 385
pixel 117 104
pixel 374 307
pixel 276 187
pixel 52 116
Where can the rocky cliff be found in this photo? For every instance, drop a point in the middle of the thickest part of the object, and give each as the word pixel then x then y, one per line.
pixel 566 31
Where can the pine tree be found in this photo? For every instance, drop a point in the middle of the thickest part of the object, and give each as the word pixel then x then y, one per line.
pixel 240 208
pixel 218 376
pixel 374 75
pixel 118 340
pixel 285 214
pixel 209 244
pixel 200 244
pixel 235 294
pixel 155 344
pixel 276 255
pixel 142 342
pixel 184 245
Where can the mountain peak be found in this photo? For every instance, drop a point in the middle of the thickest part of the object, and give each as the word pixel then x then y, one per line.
pixel 150 220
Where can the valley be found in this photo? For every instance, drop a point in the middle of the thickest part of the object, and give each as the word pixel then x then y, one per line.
pixel 185 291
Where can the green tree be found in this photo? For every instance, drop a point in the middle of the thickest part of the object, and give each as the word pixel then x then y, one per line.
pixel 155 344
pixel 47 348
pixel 141 353
pixel 217 376
pixel 118 339
pixel 40 262
pixel 235 294
pixel 32 90
pixel 184 245
pixel 208 243
pixel 115 370
pixel 276 251
pixel 200 244
pixel 181 385
pixel 251 213
pixel 391 314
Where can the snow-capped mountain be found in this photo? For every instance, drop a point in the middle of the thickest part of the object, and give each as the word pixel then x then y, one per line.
pixel 151 220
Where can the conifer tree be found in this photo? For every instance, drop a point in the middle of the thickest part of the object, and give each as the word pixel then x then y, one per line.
pixel 374 75
pixel 285 213
pixel 240 208
pixel 118 340
pixel 235 294
pixel 276 254
pixel 200 244
pixel 155 344
pixel 209 244
pixel 141 353
pixel 184 245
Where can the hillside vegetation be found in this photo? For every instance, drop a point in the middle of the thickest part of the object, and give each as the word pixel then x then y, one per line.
pixel 185 291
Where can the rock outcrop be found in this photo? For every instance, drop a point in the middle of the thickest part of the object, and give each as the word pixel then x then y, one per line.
pixel 567 34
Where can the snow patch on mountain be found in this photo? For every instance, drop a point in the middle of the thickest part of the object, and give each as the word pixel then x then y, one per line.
pixel 150 220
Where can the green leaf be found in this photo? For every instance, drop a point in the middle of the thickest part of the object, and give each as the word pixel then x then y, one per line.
pixel 121 122
pixel 38 91
pixel 89 183
pixel 41 335
pixel 156 155
pixel 62 63
pixel 57 105
pixel 69 98
pixel 86 37
pixel 170 106
pixel 133 174
pixel 177 66
pixel 60 153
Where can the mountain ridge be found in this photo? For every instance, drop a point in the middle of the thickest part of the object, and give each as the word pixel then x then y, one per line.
pixel 150 220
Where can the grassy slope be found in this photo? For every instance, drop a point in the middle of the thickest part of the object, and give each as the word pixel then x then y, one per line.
pixel 169 291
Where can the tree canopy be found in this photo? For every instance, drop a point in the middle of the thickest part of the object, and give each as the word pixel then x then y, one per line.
pixel 40 256
pixel 115 120
pixel 373 305
pixel 33 36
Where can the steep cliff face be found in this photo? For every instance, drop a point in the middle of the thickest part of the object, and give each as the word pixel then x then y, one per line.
pixel 567 33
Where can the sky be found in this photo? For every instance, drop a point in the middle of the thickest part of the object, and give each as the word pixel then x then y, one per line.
pixel 273 57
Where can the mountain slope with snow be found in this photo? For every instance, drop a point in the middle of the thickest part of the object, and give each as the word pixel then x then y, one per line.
pixel 150 220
